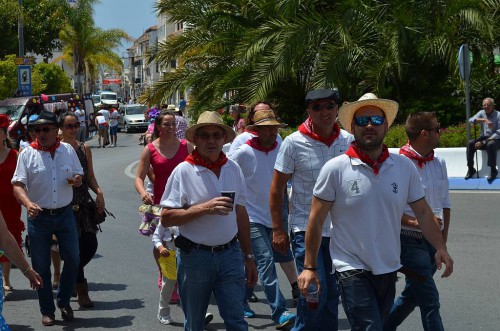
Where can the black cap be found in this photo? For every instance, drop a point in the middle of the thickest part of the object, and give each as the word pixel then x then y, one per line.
pixel 46 117
pixel 323 94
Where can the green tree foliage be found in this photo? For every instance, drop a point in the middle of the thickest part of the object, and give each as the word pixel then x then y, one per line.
pixel 278 49
pixel 8 77
pixel 52 79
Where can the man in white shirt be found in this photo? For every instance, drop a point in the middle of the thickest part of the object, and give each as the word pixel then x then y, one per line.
pixel 300 158
pixel 214 249
pixel 256 159
pixel 113 125
pixel 417 253
pixel 43 180
pixel 104 112
pixel 82 130
pixel 365 191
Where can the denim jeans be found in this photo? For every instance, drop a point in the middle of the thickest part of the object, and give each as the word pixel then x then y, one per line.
pixel 40 231
pixel 325 317
pixel 366 298
pixel 261 237
pixel 199 273
pixel 417 255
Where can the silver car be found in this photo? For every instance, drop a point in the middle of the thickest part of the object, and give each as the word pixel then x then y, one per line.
pixel 132 118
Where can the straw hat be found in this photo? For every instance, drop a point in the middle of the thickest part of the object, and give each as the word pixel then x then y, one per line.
pixel 171 107
pixel 265 118
pixel 347 111
pixel 208 118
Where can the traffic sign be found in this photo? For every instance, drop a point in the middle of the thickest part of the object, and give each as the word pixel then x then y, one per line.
pixel 24 79
pixel 464 62
pixel 23 60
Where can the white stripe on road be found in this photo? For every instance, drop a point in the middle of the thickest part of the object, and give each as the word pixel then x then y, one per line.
pixel 128 169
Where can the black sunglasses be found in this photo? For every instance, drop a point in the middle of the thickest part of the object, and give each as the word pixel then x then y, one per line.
pixel 374 120
pixel 45 130
pixel 328 106
pixel 72 126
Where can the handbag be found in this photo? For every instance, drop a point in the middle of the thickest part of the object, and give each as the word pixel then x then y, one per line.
pixel 92 211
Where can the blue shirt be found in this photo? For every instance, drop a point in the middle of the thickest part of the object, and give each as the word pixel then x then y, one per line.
pixel 486 131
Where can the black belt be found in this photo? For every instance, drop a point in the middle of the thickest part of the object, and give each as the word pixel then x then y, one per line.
pixel 213 249
pixel 412 234
pixel 55 211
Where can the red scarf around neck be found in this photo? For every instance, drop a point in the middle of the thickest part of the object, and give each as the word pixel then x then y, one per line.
pixel 354 151
pixel 254 143
pixel 306 128
pixel 36 145
pixel 196 159
pixel 410 153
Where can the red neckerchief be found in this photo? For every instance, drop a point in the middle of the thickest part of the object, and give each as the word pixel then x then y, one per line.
pixel 354 151
pixel 408 152
pixel 307 129
pixel 254 143
pixel 36 145
pixel 196 159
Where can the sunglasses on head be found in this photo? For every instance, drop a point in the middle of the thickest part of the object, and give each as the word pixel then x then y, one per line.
pixel 45 130
pixel 72 126
pixel 328 106
pixel 207 136
pixel 374 120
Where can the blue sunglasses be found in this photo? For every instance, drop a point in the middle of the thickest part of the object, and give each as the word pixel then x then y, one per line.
pixel 374 120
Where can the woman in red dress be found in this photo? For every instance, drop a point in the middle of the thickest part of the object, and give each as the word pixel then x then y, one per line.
pixel 9 206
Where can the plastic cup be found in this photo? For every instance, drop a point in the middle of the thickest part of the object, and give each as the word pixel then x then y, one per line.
pixel 229 194
pixel 72 180
pixel 312 297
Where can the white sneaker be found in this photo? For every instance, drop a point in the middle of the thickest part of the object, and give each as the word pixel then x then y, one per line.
pixel 208 318
pixel 166 320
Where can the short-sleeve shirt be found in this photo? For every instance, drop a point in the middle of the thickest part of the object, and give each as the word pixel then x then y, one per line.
pixel 46 179
pixel 243 138
pixel 113 118
pixel 190 185
pixel 486 131
pixel 367 210
pixel 303 158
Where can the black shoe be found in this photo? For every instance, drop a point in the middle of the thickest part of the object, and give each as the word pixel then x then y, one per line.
pixel 470 173
pixel 493 175
pixel 253 298
pixel 67 313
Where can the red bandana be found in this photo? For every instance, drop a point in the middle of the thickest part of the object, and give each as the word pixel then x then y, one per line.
pixel 408 152
pixel 354 151
pixel 196 159
pixel 307 129
pixel 254 143
pixel 36 145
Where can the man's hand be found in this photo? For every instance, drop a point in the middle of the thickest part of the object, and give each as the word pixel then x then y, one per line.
pixel 33 210
pixel 250 273
pixel 218 206
pixel 78 181
pixel 306 278
pixel 479 144
pixel 442 256
pixel 281 241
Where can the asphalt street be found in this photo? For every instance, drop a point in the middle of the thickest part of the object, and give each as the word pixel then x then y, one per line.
pixel 123 276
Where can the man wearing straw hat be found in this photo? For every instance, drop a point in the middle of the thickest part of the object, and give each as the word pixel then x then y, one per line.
pixel 214 249
pixel 256 159
pixel 299 160
pixel 365 191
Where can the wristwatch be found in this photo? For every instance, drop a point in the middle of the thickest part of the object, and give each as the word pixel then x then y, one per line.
pixel 249 257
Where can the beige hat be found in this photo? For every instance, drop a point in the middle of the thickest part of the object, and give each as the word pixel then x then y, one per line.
pixel 265 118
pixel 171 107
pixel 347 111
pixel 208 118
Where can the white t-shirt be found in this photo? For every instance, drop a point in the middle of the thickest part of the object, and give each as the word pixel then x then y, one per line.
pixel 80 113
pixel 367 209
pixel 303 158
pixel 434 176
pixel 243 138
pixel 104 113
pixel 46 179
pixel 257 168
pixel 163 234
pixel 190 185
pixel 113 118
pixel 101 120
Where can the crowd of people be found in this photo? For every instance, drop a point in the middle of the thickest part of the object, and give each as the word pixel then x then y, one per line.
pixel 339 212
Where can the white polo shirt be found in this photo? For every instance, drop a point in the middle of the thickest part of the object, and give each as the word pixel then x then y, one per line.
pixel 434 176
pixel 190 185
pixel 257 168
pixel 243 138
pixel 303 158
pixel 367 209
pixel 80 113
pixel 46 179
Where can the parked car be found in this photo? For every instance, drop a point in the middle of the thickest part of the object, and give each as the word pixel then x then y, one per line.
pixel 132 118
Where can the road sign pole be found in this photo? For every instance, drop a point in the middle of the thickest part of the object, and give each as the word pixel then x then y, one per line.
pixel 464 69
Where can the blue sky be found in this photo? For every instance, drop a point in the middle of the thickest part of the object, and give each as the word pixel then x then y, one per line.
pixel 132 16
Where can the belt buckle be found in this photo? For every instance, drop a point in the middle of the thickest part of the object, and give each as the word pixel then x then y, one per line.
pixel 214 249
pixel 52 212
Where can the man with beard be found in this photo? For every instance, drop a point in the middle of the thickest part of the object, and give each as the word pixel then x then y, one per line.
pixel 365 191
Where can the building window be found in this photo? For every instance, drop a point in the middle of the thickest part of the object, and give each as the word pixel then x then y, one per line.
pixel 179 26
pixel 173 64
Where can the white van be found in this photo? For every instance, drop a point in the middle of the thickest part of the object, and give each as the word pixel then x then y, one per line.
pixel 109 98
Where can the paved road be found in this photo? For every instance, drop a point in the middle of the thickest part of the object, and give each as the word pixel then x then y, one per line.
pixel 122 276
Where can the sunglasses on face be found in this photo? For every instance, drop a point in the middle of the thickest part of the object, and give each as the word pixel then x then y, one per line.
pixel 206 136
pixel 374 120
pixel 72 126
pixel 45 130
pixel 328 106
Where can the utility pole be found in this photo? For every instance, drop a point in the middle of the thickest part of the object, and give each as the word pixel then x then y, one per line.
pixel 20 31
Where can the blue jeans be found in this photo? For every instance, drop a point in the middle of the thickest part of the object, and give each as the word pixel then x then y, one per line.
pixel 261 237
pixel 325 317
pixel 366 298
pixel 199 273
pixel 40 231
pixel 417 255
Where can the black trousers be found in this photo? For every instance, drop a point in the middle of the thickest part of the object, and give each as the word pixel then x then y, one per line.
pixel 88 248
pixel 491 149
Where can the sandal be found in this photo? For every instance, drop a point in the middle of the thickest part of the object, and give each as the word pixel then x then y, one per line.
pixel 8 288
pixel 55 283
